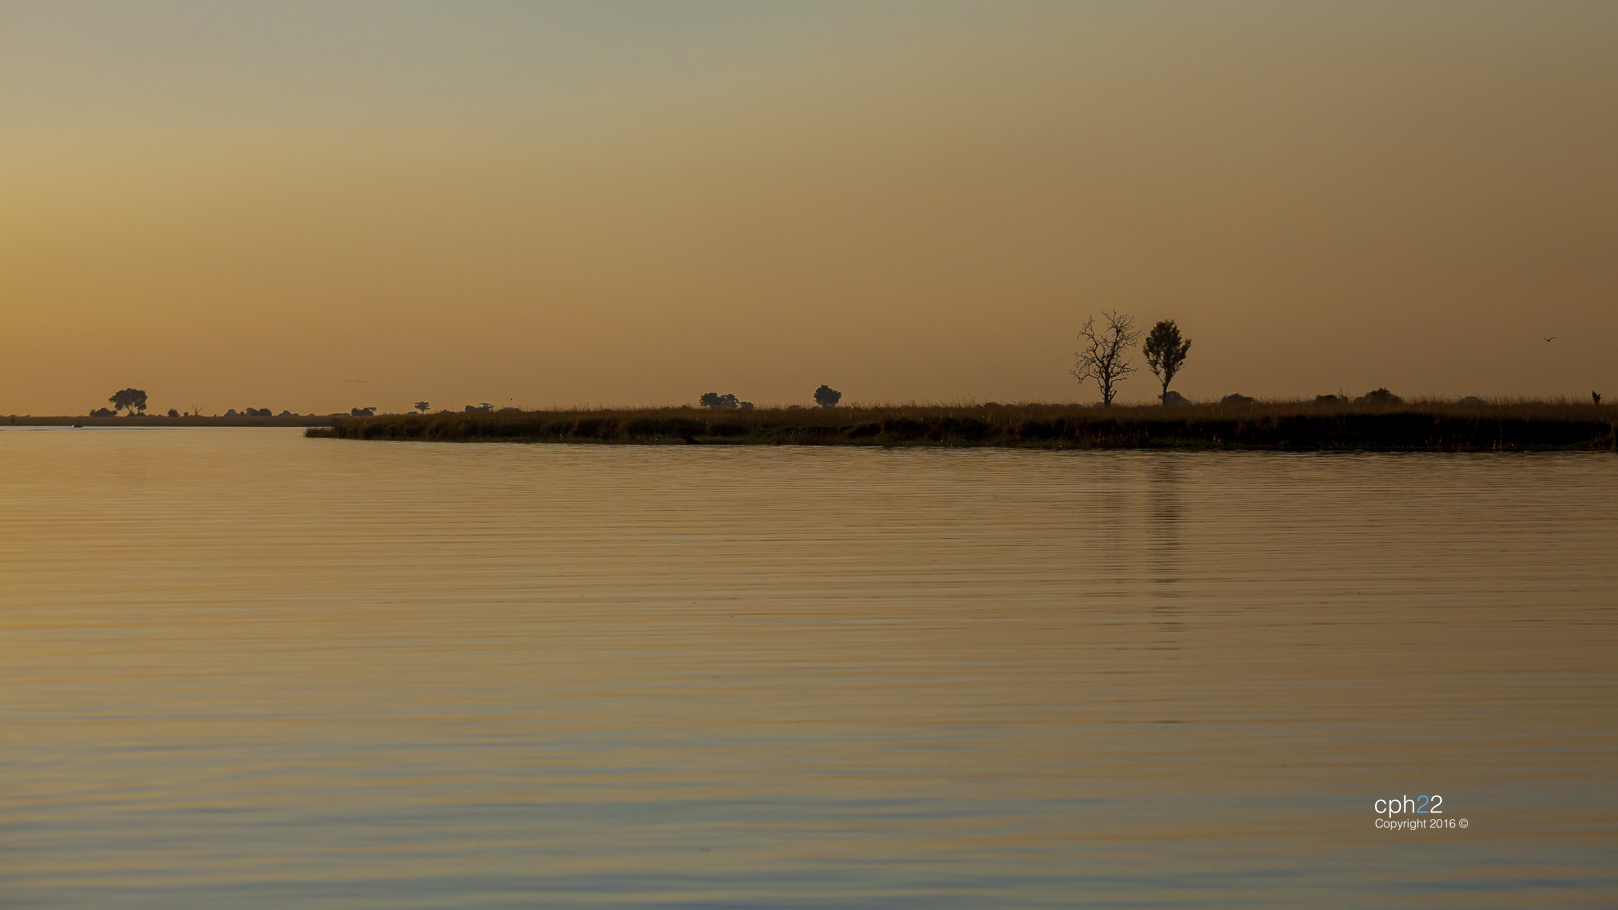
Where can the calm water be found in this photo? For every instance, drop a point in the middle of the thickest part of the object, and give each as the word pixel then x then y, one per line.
pixel 241 668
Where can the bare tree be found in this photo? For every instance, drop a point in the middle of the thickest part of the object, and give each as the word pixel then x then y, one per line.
pixel 1102 353
pixel 1165 353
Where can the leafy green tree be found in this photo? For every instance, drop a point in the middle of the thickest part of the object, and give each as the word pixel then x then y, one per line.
pixel 1165 353
pixel 132 399
pixel 718 402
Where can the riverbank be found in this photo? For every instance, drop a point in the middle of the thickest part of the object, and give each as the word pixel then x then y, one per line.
pixel 155 420
pixel 1305 426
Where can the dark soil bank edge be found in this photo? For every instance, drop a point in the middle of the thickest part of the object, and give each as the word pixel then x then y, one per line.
pixel 1409 428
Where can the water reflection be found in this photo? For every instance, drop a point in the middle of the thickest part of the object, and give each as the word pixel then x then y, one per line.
pixel 1165 510
pixel 241 668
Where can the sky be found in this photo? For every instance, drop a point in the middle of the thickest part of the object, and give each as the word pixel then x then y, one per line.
pixel 314 206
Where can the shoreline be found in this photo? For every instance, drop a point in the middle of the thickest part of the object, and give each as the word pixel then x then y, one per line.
pixel 294 420
pixel 1286 426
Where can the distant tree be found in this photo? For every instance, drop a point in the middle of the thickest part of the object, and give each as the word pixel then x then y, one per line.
pixel 718 402
pixel 1381 396
pixel 362 412
pixel 748 405
pixel 827 397
pixel 1165 352
pixel 173 412
pixel 1236 398
pixel 230 412
pixel 1172 398
pixel 1101 354
pixel 1330 399
pixel 422 406
pixel 103 412
pixel 480 408
pixel 133 399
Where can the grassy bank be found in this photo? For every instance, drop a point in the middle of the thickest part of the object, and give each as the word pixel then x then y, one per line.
pixel 1294 425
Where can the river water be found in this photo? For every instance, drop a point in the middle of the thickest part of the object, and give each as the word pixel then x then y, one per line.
pixel 243 668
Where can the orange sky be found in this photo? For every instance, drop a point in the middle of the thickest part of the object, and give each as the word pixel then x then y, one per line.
pixel 315 207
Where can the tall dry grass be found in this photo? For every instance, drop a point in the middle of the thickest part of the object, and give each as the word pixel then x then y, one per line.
pixel 1503 424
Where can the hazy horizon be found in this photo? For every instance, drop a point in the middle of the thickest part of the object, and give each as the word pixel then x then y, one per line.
pixel 631 204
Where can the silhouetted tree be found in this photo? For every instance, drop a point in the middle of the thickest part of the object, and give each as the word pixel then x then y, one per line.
pixel 362 412
pixel 718 402
pixel 1381 396
pixel 827 397
pixel 1101 354
pixel 1165 353
pixel 422 406
pixel 482 407
pixel 133 399
pixel 1236 398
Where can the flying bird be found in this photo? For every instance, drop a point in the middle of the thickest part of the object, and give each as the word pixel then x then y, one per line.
pixel 1548 339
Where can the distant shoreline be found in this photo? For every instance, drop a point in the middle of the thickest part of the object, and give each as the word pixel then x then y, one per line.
pixel 1295 426
pixel 291 420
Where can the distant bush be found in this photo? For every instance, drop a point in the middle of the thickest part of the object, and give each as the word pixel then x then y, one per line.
pixel 482 407
pixel 1380 396
pixel 1330 399
pixel 745 405
pixel 288 414
pixel 1473 399
pixel 103 412
pixel 362 412
pixel 827 397
pixel 1236 398
pixel 231 412
pixel 1172 398
pixel 718 402
pixel 173 413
